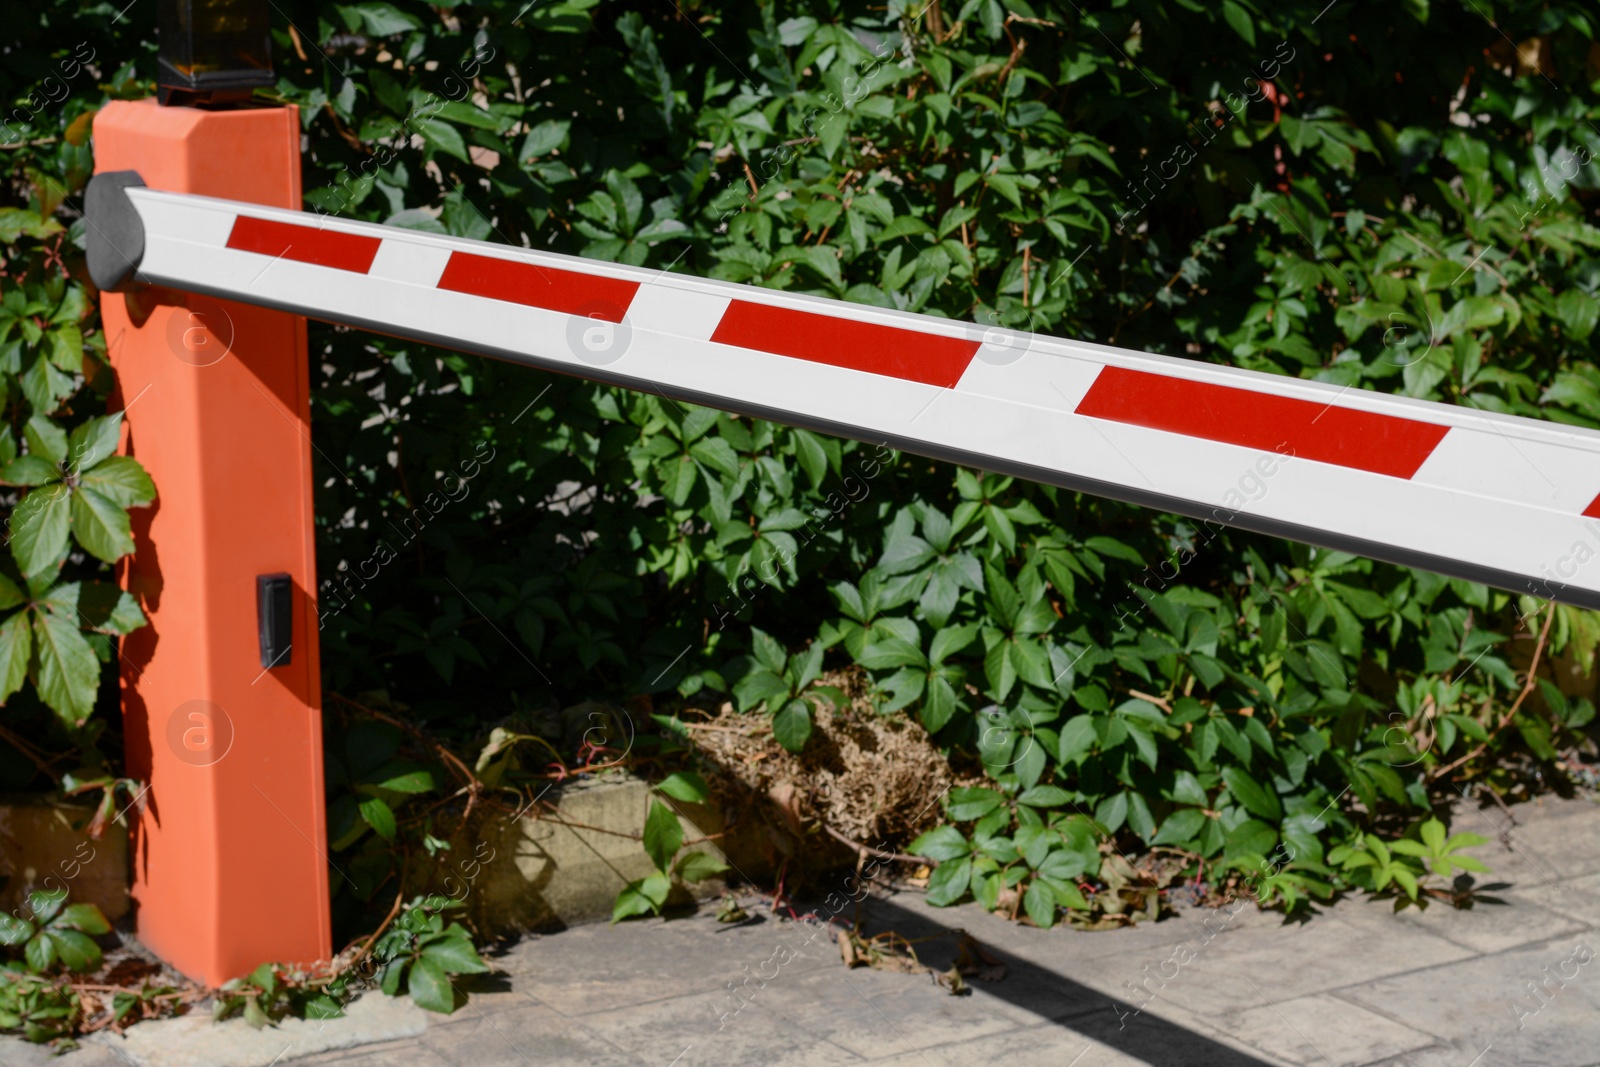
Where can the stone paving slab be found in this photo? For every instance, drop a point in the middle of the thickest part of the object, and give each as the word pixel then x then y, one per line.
pixel 640 962
pixel 1486 1001
pixel 195 1041
pixel 690 1028
pixel 1300 960
pixel 1576 898
pixel 1320 1029
pixel 1355 985
pixel 1058 1047
pixel 518 1037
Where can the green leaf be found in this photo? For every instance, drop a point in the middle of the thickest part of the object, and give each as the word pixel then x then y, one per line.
pixel 14 930
pixel 663 835
pixel 94 441
pixel 107 609
pixel 44 385
pixel 813 459
pixel 1245 789
pixel 46 904
pixel 379 816
pixel 1040 902
pixel 322 1006
pixel 1068 865
pixel 768 653
pixel 686 786
pixel 380 19
pixel 1069 896
pixel 442 137
pixel 1251 837
pixel 16 647
pixel 30 470
pixel 968 803
pixel 121 480
pixel 40 953
pixel 943 843
pixel 949 882
pixel 1181 826
pixel 1044 796
pixel 76 951
pixel 45 439
pixel 66 348
pixel 759 687
pixel 85 917
pixel 791 726
pixel 66 670
pixel 1240 20
pixel 1112 812
pixel 255 1015
pixel 430 987
pixel 543 139
pixel 409 782
pixel 100 526
pixel 938 705
pixel 698 866
pixel 1078 736
pixel 645 896
pixel 390 976
pixel 39 528
pixel 455 955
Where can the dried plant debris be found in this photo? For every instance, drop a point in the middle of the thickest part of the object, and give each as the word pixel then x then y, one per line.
pixel 1128 896
pixel 875 779
pixel 974 960
pixel 730 911
pixel 889 951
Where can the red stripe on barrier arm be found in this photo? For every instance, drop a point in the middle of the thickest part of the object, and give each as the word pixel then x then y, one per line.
pixel 1382 444
pixel 1593 510
pixel 304 244
pixel 549 288
pixel 888 350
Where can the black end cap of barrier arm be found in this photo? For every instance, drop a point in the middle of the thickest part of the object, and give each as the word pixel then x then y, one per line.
pixel 115 231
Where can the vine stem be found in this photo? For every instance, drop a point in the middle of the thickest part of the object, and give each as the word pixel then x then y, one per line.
pixel 473 785
pixel 30 752
pixel 1516 705
pixel 372 939
pixel 867 850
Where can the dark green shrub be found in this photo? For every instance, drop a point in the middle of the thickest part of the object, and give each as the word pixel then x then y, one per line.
pixel 1388 197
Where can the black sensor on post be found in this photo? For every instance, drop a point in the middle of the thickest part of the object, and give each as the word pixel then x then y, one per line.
pixel 213 52
pixel 274 621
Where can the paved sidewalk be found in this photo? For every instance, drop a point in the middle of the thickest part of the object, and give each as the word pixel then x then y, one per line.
pixel 1355 985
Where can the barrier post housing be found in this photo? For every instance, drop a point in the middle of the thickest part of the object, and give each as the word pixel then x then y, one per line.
pixel 230 852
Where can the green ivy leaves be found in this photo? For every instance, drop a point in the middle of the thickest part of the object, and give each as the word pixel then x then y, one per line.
pixel 421 952
pixel 75 492
pixel 664 843
pixel 1446 258
pixel 77 487
pixel 783 685
pixel 56 934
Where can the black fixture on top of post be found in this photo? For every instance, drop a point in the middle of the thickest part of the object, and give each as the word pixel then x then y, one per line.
pixel 213 52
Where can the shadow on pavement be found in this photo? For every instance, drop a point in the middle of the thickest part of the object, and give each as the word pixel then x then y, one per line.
pixel 1055 998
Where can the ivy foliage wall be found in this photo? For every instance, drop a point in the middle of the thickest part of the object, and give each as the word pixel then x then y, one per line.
pixel 1397 197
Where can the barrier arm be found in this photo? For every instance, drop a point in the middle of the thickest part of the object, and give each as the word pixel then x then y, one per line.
pixel 1508 501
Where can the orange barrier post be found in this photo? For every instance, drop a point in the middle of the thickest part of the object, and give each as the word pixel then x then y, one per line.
pixel 230 854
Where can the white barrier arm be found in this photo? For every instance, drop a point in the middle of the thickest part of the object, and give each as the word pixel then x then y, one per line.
pixel 1508 501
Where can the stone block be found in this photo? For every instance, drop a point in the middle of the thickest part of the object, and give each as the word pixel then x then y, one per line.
pixel 547 870
pixel 43 847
